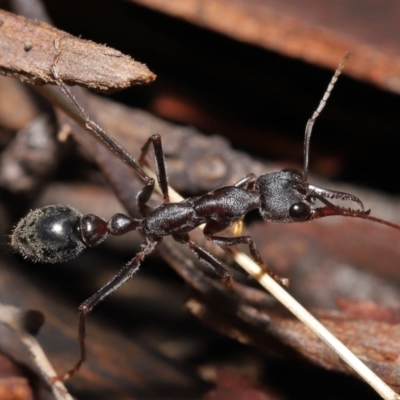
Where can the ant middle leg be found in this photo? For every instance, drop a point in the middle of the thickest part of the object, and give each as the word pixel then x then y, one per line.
pixel 206 258
pixel 87 306
pixel 212 227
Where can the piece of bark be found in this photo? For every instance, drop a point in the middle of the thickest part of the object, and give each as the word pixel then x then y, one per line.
pixel 317 32
pixel 27 52
pixel 268 328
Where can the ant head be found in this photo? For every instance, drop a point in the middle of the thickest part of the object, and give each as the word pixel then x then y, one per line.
pixel 286 197
pixel 282 196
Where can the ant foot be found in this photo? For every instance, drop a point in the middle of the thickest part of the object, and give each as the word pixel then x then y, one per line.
pixel 66 376
pixel 282 281
pixel 60 378
pixel 285 282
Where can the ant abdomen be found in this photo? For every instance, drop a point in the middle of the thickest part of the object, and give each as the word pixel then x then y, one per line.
pixel 57 233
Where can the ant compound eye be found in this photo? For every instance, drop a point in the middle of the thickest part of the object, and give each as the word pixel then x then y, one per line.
pixel 299 211
pixel 49 234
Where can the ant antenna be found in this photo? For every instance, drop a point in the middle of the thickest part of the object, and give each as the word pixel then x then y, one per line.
pixel 311 121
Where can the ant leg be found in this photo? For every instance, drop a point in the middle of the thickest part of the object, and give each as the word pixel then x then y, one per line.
pixel 224 241
pixel 246 182
pixel 161 169
pixel 145 194
pixel 126 272
pixel 206 258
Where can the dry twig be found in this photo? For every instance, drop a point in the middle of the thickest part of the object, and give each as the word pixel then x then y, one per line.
pixel 27 53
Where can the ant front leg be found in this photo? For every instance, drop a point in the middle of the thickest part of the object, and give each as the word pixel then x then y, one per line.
pixel 161 169
pixel 212 227
pixel 87 306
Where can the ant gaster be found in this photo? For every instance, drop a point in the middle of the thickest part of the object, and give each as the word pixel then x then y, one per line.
pixel 58 233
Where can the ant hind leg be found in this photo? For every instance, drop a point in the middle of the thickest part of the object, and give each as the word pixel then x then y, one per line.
pixel 87 306
pixel 145 194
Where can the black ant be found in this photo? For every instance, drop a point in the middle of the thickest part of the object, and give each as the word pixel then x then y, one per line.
pixel 58 233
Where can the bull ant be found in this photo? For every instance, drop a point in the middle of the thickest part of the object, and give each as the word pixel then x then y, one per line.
pixel 58 233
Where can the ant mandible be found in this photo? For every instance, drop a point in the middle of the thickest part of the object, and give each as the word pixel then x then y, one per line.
pixel 58 233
